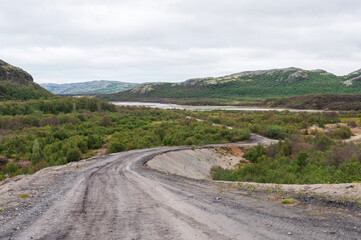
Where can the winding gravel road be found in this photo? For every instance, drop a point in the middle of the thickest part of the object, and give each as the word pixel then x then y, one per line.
pixel 119 198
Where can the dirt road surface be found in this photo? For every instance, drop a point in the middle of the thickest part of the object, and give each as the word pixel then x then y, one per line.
pixel 119 198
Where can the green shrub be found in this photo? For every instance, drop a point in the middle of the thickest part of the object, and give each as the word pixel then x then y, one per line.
pixel 11 167
pixel 275 132
pixel 242 134
pixel 337 164
pixel 73 155
pixel 36 152
pixel 302 159
pixel 219 173
pixel 82 145
pixel 94 141
pixel 342 133
pixel 116 147
pixel 322 142
pixel 351 170
pixel 2 176
pixel 255 152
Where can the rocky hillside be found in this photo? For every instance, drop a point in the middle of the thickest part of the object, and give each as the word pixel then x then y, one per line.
pixel 16 84
pixel 91 87
pixel 352 77
pixel 285 82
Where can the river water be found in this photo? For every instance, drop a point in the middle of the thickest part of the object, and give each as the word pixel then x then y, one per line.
pixel 206 108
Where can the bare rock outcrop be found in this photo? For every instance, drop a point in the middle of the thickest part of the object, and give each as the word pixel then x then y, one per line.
pixel 13 74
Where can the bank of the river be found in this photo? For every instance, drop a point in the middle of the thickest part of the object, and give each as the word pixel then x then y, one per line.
pixel 206 108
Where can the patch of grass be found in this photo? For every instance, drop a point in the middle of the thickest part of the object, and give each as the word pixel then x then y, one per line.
pixel 346 199
pixel 220 188
pixel 1 209
pixel 288 201
pixel 355 200
pixel 269 190
pixel 23 195
pixel 301 194
pixel 279 190
pixel 315 195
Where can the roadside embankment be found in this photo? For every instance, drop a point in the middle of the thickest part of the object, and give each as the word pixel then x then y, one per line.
pixel 198 163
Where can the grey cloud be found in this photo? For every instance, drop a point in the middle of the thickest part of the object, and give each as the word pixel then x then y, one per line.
pixel 172 40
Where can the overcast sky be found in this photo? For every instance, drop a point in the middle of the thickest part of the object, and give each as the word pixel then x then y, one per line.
pixel 174 40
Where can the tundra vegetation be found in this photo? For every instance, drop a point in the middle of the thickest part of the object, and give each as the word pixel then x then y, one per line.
pixel 40 133
pixel 301 156
pixel 49 132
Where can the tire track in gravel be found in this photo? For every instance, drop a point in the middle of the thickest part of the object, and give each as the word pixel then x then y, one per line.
pixel 118 198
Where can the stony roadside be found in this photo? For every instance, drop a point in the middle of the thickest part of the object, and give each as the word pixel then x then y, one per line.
pixel 338 200
pixel 26 197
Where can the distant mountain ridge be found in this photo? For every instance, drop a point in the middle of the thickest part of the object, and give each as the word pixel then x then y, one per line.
pixel 286 82
pixel 16 84
pixel 90 87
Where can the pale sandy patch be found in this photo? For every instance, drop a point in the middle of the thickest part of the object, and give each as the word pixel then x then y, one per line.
pixel 197 163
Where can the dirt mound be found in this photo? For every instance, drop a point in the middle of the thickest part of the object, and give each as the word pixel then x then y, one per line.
pixel 197 163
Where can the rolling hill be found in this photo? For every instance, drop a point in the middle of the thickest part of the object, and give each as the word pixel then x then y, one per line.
pixel 91 87
pixel 317 101
pixel 16 84
pixel 287 82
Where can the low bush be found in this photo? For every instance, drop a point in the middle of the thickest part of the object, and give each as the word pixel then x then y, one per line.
pixel 342 133
pixel 11 167
pixel 275 132
pixel 2 176
pixel 73 155
pixel 254 153
pixel 312 167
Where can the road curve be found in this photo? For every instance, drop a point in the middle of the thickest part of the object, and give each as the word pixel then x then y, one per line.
pixel 119 198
